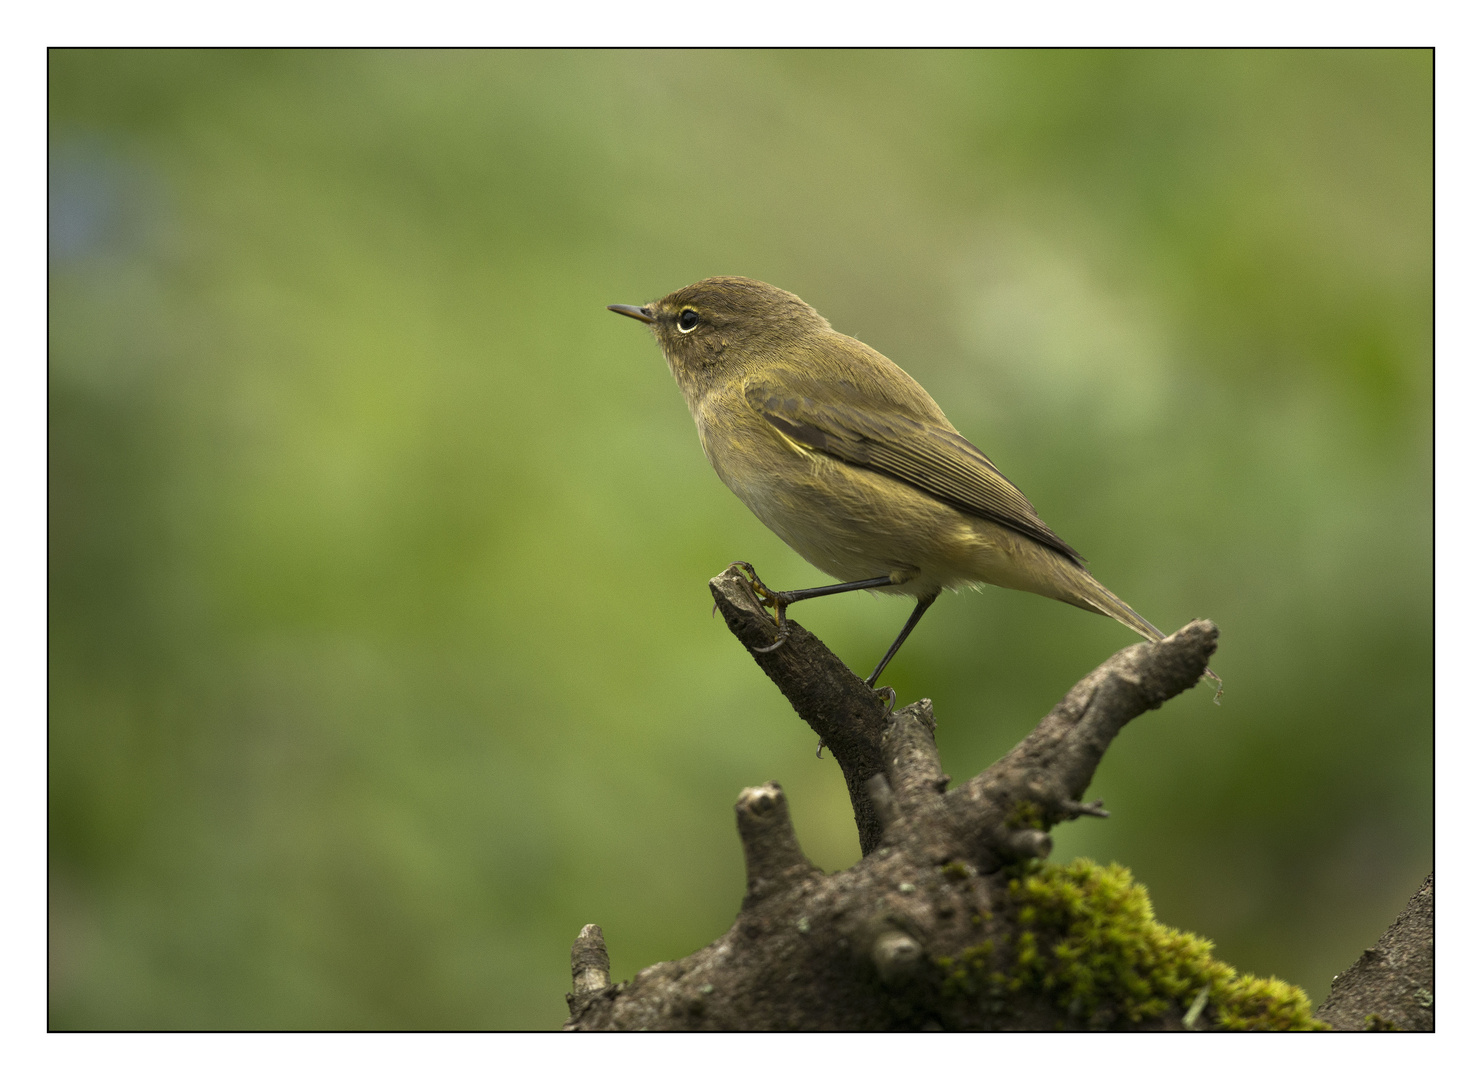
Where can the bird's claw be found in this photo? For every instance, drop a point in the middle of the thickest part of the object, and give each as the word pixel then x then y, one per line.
pixel 767 598
pixel 782 632
pixel 887 694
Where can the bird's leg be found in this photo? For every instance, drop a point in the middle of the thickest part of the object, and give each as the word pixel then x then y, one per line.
pixel 921 605
pixel 779 601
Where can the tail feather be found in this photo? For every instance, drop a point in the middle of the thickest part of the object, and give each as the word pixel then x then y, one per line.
pixel 1094 596
pixel 1086 592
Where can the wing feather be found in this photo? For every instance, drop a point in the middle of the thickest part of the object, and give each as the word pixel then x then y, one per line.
pixel 934 459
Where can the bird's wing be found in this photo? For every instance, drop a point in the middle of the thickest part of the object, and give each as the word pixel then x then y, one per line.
pixel 934 459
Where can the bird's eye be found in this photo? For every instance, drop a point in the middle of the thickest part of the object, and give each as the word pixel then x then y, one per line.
pixel 688 320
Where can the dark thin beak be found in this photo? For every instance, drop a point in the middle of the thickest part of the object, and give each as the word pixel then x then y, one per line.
pixel 642 314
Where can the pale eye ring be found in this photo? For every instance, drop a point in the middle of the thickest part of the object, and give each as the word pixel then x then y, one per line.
pixel 688 320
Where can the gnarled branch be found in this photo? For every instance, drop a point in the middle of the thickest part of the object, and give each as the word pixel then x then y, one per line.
pixel 949 920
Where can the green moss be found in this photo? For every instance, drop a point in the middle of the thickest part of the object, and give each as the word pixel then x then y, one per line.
pixel 1085 936
pixel 1026 815
pixel 956 870
pixel 1375 1022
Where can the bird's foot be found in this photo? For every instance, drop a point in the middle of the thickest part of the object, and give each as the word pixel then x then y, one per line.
pixel 887 695
pixel 768 598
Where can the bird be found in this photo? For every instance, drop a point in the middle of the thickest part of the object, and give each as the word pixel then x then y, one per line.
pixel 851 463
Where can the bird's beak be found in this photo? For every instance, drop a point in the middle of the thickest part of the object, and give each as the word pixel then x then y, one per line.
pixel 642 314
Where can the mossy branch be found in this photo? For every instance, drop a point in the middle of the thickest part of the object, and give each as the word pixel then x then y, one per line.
pixel 950 920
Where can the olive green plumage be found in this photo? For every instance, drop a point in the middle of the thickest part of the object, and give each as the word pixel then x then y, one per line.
pixel 846 458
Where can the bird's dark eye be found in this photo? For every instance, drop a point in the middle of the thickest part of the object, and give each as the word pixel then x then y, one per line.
pixel 688 320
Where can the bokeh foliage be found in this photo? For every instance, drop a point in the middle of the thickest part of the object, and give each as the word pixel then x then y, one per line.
pixel 380 649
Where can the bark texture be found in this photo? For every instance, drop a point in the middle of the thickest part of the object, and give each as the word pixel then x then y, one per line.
pixel 949 921
pixel 1392 985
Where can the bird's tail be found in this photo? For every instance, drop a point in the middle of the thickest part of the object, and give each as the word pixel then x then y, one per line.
pixel 1033 567
pixel 1086 592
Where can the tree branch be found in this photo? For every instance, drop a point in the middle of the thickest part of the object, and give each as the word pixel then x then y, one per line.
pixel 950 920
pixel 1392 985
pixel 845 713
pixel 1051 768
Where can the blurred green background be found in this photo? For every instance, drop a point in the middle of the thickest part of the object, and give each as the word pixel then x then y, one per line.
pixel 381 656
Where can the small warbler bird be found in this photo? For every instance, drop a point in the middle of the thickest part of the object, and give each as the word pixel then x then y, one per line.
pixel 846 458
